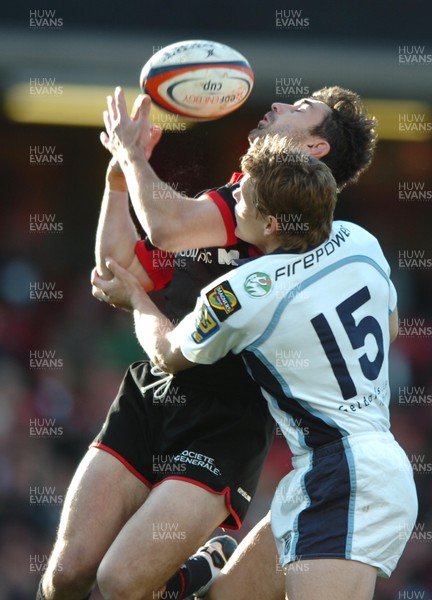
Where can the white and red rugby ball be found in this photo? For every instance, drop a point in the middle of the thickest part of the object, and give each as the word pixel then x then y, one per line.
pixel 197 79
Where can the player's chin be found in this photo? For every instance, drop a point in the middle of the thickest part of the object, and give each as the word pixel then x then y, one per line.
pixel 253 134
pixel 258 132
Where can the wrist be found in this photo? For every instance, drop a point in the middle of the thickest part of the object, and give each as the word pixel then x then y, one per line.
pixel 115 179
pixel 116 183
pixel 134 154
pixel 139 299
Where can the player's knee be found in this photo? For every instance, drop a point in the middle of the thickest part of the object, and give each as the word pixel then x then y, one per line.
pixel 114 588
pixel 69 575
pixel 117 583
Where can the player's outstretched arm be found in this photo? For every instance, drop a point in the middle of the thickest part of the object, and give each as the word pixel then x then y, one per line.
pixel 172 221
pixel 153 329
pixel 116 234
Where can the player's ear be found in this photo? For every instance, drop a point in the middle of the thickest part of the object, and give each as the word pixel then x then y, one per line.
pixel 318 148
pixel 271 225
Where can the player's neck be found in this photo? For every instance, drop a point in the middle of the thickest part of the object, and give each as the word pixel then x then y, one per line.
pixel 269 244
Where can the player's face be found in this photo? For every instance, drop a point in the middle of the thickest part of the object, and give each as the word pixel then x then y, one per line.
pixel 291 120
pixel 250 224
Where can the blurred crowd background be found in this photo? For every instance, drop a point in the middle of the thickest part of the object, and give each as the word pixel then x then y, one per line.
pixel 62 353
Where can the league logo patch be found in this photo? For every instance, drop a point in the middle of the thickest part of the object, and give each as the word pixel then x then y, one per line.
pixel 258 285
pixel 205 325
pixel 223 300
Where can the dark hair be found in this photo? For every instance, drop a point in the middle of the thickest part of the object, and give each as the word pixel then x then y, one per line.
pixel 349 130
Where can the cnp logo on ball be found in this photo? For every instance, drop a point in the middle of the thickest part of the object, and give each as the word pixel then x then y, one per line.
pixel 198 79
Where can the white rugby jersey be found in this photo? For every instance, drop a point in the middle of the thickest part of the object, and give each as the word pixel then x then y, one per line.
pixel 313 329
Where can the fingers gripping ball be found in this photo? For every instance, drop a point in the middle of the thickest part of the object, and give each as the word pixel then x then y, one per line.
pixel 198 79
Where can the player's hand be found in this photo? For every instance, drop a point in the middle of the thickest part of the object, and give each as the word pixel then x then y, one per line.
pixel 122 291
pixel 126 133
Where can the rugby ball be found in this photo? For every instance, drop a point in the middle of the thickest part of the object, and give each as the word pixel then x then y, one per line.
pixel 197 79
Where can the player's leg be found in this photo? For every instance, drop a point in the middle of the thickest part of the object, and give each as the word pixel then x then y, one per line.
pixel 102 496
pixel 311 520
pixel 330 579
pixel 176 518
pixel 253 571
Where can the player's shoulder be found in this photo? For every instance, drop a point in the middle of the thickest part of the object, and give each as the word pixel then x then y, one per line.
pixel 364 244
pixel 248 270
pixel 224 191
pixel 243 292
pixel 353 229
pixel 355 233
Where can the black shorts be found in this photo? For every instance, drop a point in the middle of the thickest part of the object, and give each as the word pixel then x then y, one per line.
pixel 210 430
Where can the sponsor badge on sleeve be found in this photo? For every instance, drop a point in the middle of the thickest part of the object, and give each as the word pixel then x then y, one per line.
pixel 205 325
pixel 223 301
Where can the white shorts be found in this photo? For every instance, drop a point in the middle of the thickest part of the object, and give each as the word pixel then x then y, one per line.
pixel 352 499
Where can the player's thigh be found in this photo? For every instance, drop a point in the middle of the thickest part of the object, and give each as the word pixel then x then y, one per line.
pixel 176 518
pixel 102 496
pixel 330 579
pixel 253 571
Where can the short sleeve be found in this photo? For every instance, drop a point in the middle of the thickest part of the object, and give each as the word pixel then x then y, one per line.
pixel 222 321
